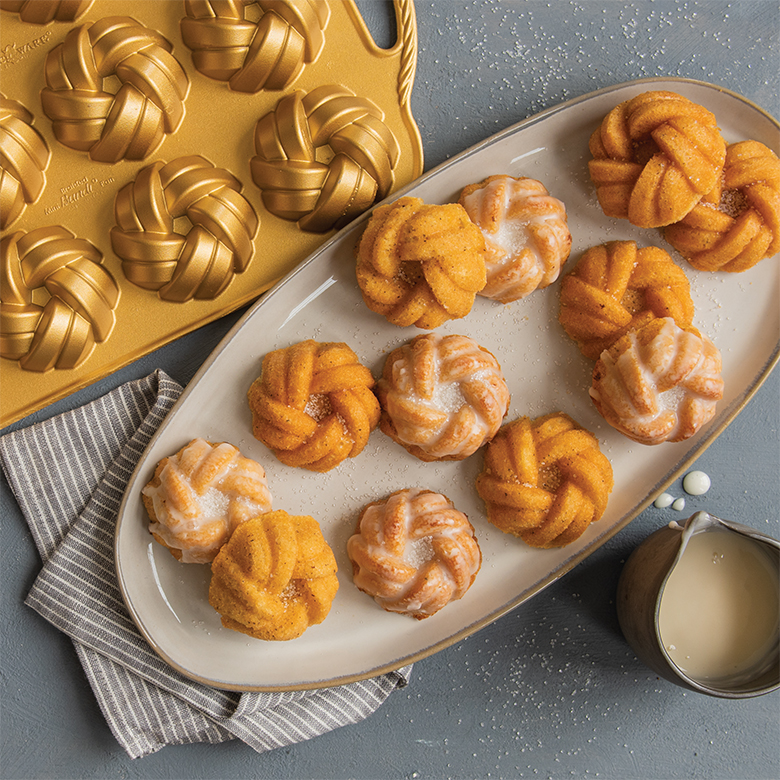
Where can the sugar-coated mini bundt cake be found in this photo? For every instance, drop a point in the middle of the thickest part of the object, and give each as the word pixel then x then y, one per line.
pixel 442 397
pixel 420 264
pixel 660 383
pixel 199 496
pixel 654 157
pixel 617 287
pixel 738 223
pixel 414 552
pixel 313 404
pixel 545 480
pixel 526 233
pixel 275 577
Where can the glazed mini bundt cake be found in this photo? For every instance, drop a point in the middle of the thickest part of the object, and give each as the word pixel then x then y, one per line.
pixel 442 397
pixel 617 287
pixel 198 497
pixel 414 552
pixel 738 223
pixel 526 234
pixel 313 404
pixel 654 157
pixel 420 264
pixel 660 383
pixel 545 480
pixel 275 577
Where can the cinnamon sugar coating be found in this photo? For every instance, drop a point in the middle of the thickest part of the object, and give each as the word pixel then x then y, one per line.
pixel 660 383
pixel 414 552
pixel 420 264
pixel 313 404
pixel 545 480
pixel 275 578
pixel 617 287
pixel 526 234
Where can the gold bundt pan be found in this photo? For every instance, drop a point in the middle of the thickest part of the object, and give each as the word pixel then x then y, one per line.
pixel 286 117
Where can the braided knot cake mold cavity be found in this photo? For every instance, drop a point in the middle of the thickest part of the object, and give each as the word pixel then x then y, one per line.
pixel 738 223
pixel 442 397
pixel 526 234
pixel 45 11
pixel 275 577
pixel 219 244
pixel 148 106
pixel 24 156
pixel 323 158
pixel 250 56
pixel 51 263
pixel 654 157
pixel 414 552
pixel 199 496
pixel 313 404
pixel 617 287
pixel 545 480
pixel 420 264
pixel 660 383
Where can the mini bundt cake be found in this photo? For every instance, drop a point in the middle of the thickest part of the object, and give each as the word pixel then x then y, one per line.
pixel 275 577
pixel 199 496
pixel 420 264
pixel 617 287
pixel 660 383
pixel 442 397
pixel 526 234
pixel 313 404
pixel 414 552
pixel 738 223
pixel 545 480
pixel 654 157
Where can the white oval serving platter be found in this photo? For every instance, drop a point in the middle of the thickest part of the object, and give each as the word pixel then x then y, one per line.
pixel 545 372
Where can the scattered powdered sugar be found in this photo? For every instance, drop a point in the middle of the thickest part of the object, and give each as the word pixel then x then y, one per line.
pixel 418 551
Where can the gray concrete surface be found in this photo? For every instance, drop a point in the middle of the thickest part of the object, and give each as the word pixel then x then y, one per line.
pixel 552 689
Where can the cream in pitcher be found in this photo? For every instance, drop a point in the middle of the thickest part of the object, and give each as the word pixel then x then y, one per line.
pixel 718 617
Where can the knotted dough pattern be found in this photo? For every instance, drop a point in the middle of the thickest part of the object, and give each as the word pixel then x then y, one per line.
pixel 275 577
pixel 545 480
pixel 414 552
pixel 199 496
pixel 738 223
pixel 251 56
pixel 293 141
pixel 617 287
pixel 24 157
pixel 654 157
pixel 421 264
pixel 82 297
pixel 442 397
pixel 45 11
pixel 148 105
pixel 313 404
pixel 660 383
pixel 219 244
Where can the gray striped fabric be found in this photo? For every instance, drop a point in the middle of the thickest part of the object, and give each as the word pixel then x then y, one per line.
pixel 68 475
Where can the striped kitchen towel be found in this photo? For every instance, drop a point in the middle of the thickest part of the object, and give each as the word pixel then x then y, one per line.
pixel 68 475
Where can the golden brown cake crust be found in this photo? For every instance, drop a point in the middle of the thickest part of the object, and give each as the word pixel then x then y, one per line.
pixel 313 404
pixel 660 383
pixel 420 264
pixel 737 224
pixel 442 397
pixel 654 157
pixel 526 234
pixel 617 287
pixel 414 552
pixel 545 480
pixel 275 577
pixel 200 495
